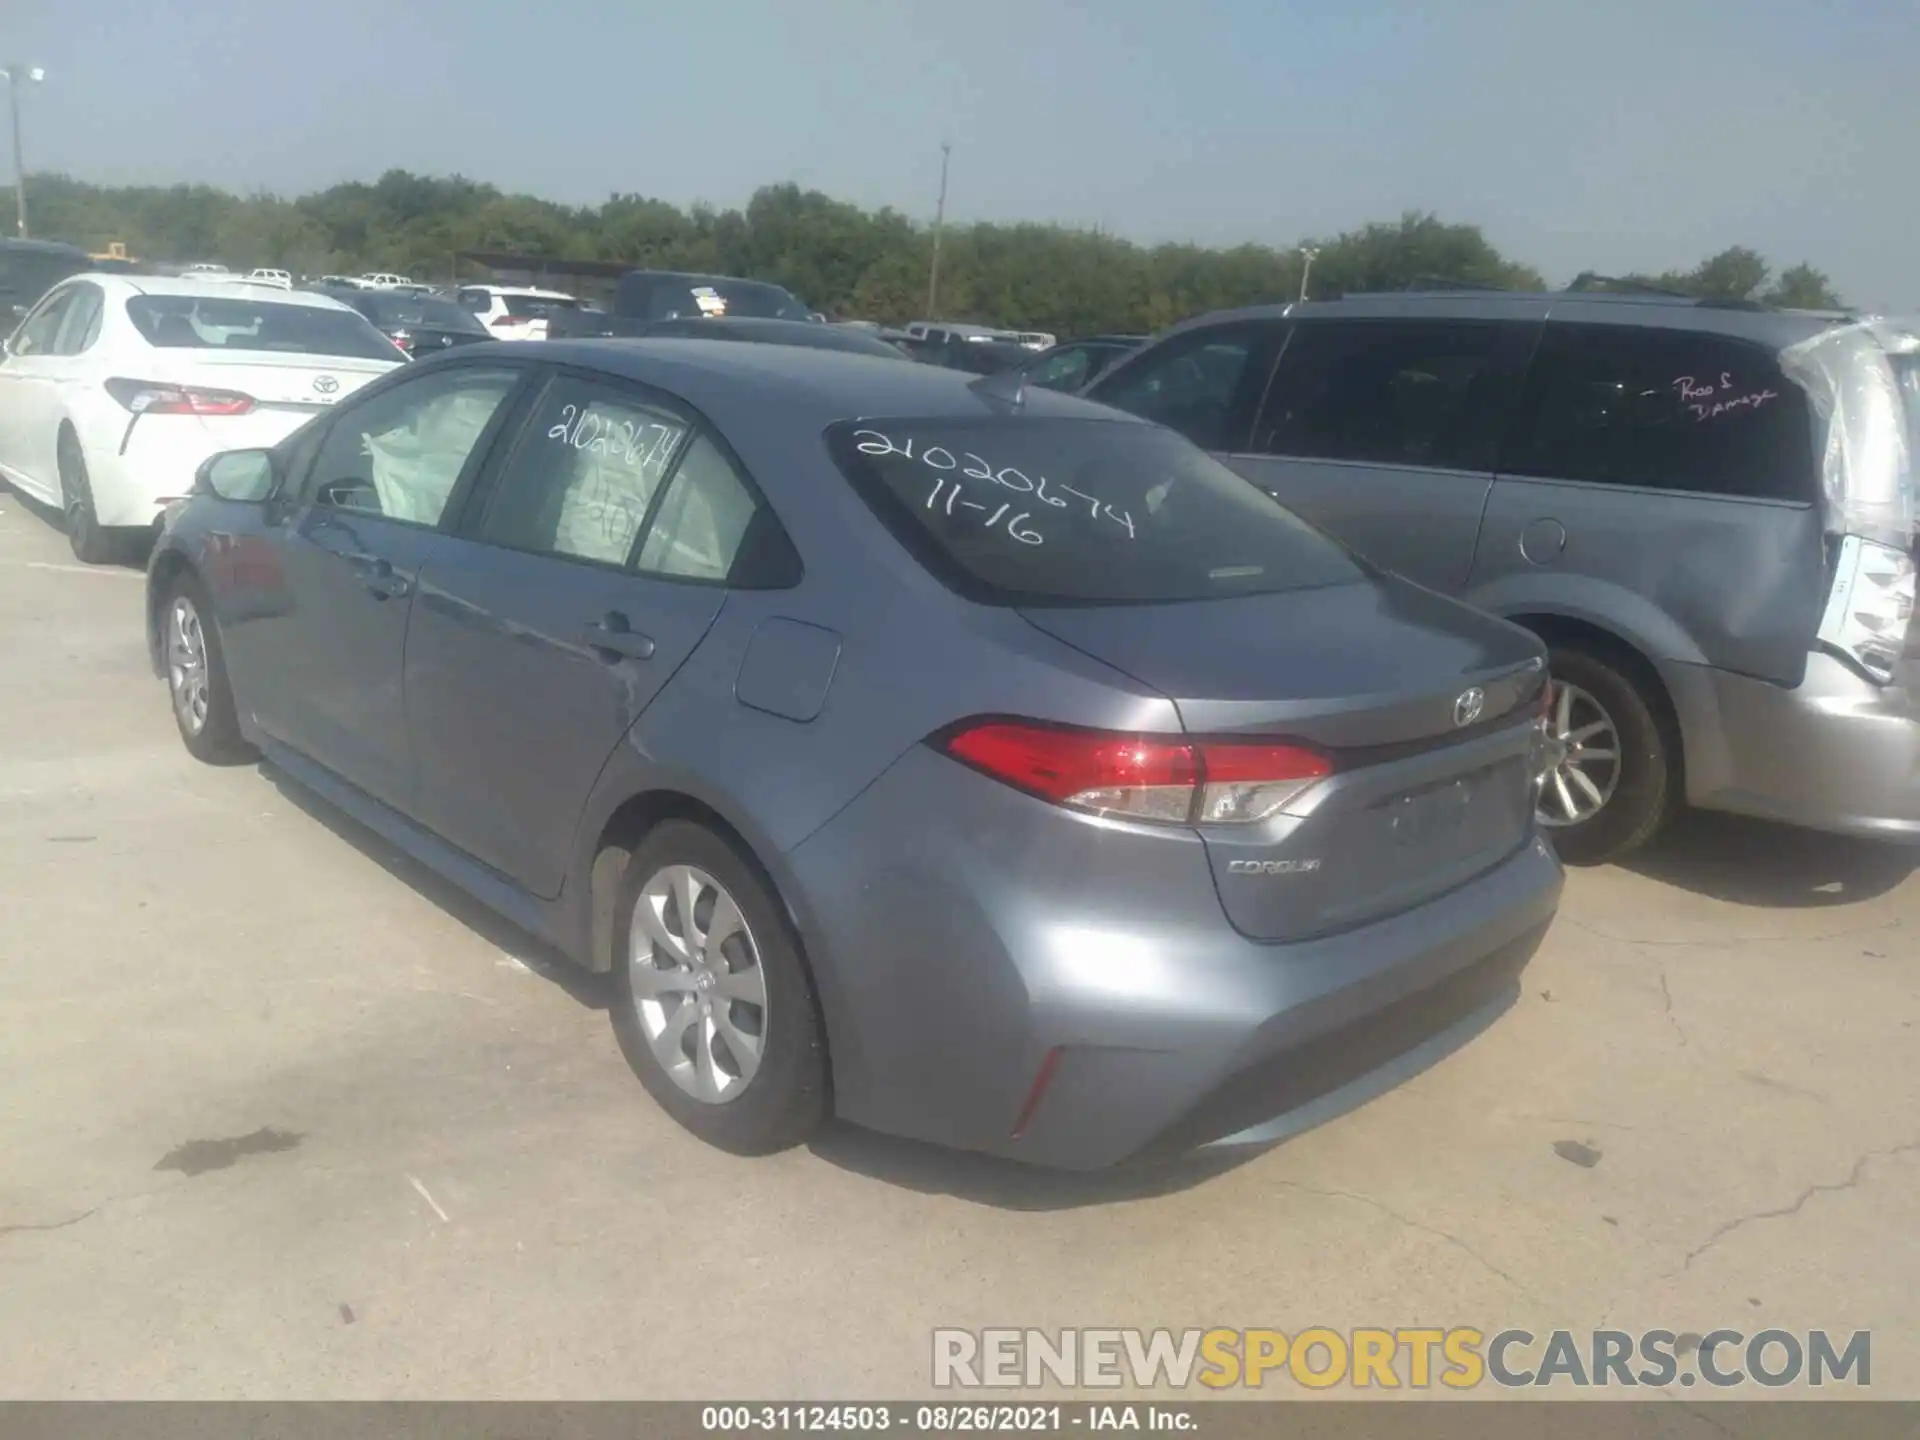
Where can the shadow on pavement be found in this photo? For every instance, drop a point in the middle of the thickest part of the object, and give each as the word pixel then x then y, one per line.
pixel 538 956
pixel 134 550
pixel 1755 862
pixel 1008 1184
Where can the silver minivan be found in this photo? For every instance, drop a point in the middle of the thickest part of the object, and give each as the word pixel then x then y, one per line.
pixel 1706 509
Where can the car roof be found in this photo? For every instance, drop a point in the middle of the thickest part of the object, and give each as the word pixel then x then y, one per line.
pixel 1663 312
pixel 14 245
pixel 732 380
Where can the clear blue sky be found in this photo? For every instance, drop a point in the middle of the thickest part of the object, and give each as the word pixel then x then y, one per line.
pixel 1616 135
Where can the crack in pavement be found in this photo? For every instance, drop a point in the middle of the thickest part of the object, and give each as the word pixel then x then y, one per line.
pixel 1666 995
pixel 1854 1177
pixel 51 1224
pixel 1438 1234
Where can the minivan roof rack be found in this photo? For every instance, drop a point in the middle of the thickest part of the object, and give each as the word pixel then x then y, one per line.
pixel 1589 281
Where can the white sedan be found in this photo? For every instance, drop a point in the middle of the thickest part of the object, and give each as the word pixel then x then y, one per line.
pixel 116 387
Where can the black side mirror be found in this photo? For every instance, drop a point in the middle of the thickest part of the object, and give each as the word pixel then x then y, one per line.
pixel 244 476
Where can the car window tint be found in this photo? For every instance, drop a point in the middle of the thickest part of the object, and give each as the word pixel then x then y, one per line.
pixel 82 321
pixel 1023 510
pixel 1666 410
pixel 39 331
pixel 702 520
pixel 584 473
pixel 401 453
pixel 1190 384
pixel 1385 391
pixel 1064 371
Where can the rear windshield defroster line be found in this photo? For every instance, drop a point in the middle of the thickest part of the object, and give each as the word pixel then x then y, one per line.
pixel 1018 510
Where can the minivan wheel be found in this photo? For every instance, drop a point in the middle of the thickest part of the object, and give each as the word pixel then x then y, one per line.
pixel 202 699
pixel 713 1006
pixel 1609 783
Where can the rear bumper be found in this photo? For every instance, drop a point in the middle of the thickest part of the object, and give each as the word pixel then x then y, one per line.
pixel 153 458
pixel 1835 753
pixel 955 956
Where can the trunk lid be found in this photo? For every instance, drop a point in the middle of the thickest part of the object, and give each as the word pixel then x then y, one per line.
pixel 303 382
pixel 1426 706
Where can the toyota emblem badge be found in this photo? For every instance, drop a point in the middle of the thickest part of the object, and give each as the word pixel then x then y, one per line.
pixel 325 384
pixel 1467 708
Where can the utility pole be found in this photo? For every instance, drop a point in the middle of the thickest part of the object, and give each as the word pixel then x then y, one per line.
pixel 17 75
pixel 939 222
pixel 1309 254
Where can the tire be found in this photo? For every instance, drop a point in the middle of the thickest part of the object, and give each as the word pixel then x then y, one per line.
pixel 1639 791
pixel 209 724
pixel 753 983
pixel 93 543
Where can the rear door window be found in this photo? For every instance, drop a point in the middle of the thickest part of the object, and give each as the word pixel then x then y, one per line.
pixel 1390 392
pixel 583 477
pixel 1031 511
pixel 1203 384
pixel 1663 410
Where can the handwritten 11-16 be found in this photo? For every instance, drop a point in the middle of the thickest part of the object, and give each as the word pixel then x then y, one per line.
pixel 938 457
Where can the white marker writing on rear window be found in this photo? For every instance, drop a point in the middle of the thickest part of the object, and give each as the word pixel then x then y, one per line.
pixel 873 442
pixel 622 439
pixel 1708 400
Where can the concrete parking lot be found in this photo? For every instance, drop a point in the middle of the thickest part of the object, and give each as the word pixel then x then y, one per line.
pixel 280 1116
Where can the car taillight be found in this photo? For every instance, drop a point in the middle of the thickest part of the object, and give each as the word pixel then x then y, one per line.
pixel 1870 606
pixel 1140 777
pixel 153 397
pixel 402 342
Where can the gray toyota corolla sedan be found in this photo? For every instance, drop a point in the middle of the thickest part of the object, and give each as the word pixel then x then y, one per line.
pixel 973 763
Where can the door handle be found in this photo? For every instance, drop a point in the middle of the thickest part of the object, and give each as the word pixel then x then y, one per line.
pixel 615 638
pixel 379 576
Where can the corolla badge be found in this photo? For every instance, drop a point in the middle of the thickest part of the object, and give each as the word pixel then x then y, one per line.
pixel 325 384
pixel 1467 707
pixel 1272 867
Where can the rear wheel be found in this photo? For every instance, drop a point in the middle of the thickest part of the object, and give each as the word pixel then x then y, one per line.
pixel 1610 782
pixel 713 1006
pixel 197 684
pixel 93 543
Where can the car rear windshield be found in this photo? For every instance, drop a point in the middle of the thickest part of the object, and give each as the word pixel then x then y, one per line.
pixel 737 299
pixel 400 310
pixel 537 306
pixel 204 322
pixel 1022 510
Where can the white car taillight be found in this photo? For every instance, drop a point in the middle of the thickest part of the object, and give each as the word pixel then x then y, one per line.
pixel 1870 606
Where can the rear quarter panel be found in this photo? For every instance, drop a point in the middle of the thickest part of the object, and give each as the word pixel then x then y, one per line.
pixel 1733 583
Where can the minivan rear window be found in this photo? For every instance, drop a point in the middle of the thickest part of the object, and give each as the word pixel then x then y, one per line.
pixel 1034 511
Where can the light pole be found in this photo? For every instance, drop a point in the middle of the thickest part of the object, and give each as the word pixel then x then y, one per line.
pixel 1309 254
pixel 939 222
pixel 16 76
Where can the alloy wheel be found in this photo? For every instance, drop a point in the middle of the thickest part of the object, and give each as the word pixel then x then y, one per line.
pixel 187 665
pixel 1583 769
pixel 697 983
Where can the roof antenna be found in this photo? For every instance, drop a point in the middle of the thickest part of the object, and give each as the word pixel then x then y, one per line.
pixel 1008 387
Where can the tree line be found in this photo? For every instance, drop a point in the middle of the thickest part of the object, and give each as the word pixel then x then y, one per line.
pixel 841 259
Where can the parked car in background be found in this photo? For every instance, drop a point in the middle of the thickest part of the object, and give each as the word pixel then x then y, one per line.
pixel 419 325
pixel 1078 363
pixel 337 282
pixel 511 312
pixel 643 298
pixel 971 354
pixel 803 333
pixel 944 332
pixel 205 267
pixel 1007 776
pixel 385 279
pixel 269 276
pixel 1706 510
pixel 30 268
pixel 115 388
